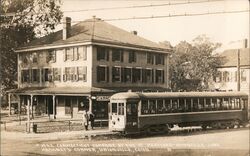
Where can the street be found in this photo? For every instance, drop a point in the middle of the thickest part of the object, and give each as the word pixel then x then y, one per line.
pixel 209 143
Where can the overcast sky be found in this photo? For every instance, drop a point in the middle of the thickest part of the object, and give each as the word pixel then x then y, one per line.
pixel 227 29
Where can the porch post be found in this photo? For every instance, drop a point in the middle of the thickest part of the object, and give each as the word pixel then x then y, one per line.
pixel 9 94
pixel 54 106
pixel 90 103
pixel 31 103
pixel 28 113
pixel 19 107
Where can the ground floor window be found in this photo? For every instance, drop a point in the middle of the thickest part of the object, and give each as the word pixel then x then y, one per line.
pixel 100 109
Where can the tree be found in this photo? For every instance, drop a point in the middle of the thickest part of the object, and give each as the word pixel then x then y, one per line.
pixel 193 65
pixel 23 21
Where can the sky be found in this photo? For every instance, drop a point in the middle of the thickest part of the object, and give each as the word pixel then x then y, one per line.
pixel 228 29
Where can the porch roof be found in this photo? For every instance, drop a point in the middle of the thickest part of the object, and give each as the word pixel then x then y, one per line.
pixel 60 90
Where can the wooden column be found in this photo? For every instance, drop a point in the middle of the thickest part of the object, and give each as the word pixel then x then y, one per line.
pixel 9 94
pixel 31 104
pixel 28 114
pixel 90 104
pixel 54 106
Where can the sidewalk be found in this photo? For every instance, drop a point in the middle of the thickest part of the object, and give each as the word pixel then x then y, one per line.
pixel 56 135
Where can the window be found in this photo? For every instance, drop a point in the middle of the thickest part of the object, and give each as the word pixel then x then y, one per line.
pixel 35 75
pixel 152 106
pixel 159 76
pixel 82 73
pixel 117 55
pixel 243 75
pixel 132 56
pixel 159 59
pixel 137 75
pixel 47 75
pixel 102 74
pixel 68 54
pixel 83 103
pixel 66 75
pixel 57 74
pixel 144 106
pixel 150 58
pixel 201 104
pixel 149 75
pixel 25 75
pixel 114 107
pixel 72 73
pixel 116 74
pixel 34 57
pixel 102 53
pixel 82 53
pixel 120 108
pixel 127 74
pixel 75 53
pixel 226 76
pixel 51 56
pixel 160 107
pixel 24 58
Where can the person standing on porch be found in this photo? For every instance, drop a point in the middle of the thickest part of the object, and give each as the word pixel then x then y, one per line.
pixel 85 120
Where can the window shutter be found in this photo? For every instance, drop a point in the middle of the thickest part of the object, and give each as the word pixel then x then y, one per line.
pixel 163 76
pixel 107 54
pixel 84 53
pixel 121 55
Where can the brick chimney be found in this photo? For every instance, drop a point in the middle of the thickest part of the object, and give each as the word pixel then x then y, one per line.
pixel 134 32
pixel 66 27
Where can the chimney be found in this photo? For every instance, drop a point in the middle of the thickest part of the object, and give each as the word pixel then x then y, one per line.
pixel 134 32
pixel 66 27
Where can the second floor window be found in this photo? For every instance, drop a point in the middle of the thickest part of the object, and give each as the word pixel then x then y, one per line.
pixel 25 76
pixel 51 56
pixel 102 74
pixel 102 53
pixel 137 75
pixel 34 58
pixel 116 74
pixel 35 75
pixel 68 54
pixel 82 73
pixel 149 76
pixel 117 55
pixel 132 56
pixel 82 53
pixel 47 75
pixel 159 59
pixel 127 74
pixel 159 76
pixel 57 74
pixel 150 58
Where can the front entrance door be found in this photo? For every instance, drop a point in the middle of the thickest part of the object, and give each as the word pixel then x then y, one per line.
pixel 68 106
pixel 132 116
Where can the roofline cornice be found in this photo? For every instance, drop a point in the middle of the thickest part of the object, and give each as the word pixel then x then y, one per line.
pixel 94 42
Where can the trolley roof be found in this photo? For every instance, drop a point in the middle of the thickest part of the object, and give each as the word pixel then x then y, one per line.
pixel 159 95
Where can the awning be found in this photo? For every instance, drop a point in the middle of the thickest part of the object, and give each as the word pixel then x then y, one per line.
pixel 59 90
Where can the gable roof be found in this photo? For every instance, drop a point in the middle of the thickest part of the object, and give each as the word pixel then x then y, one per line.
pixel 95 30
pixel 230 57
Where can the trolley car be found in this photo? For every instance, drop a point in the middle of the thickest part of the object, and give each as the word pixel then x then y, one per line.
pixel 131 112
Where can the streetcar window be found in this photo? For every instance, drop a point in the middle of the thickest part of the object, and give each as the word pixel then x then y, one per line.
pixel 219 104
pixel 237 103
pixel 114 107
pixel 160 107
pixel 188 105
pixel 144 107
pixel 174 105
pixel 195 104
pixel 213 104
pixel 120 108
pixel 168 105
pixel 181 105
pixel 201 104
pixel 131 109
pixel 208 104
pixel 152 106
pixel 225 103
